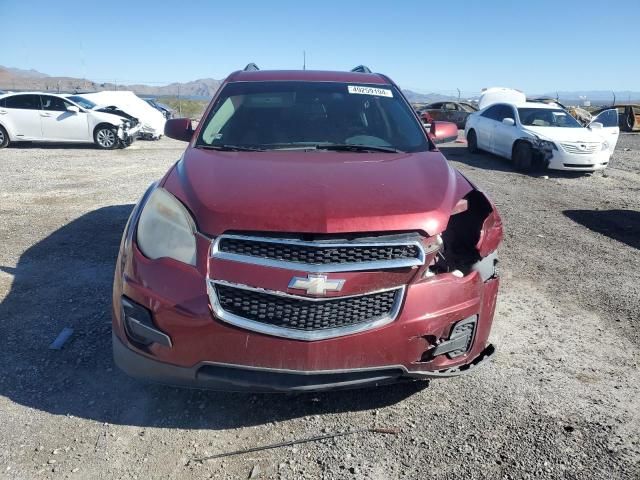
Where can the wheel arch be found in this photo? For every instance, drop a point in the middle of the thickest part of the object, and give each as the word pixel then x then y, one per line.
pixel 8 130
pixel 102 125
pixel 519 141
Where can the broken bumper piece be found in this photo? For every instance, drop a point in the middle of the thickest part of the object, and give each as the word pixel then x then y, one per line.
pixel 216 376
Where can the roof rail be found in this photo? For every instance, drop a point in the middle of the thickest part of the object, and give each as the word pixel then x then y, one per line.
pixel 251 67
pixel 361 69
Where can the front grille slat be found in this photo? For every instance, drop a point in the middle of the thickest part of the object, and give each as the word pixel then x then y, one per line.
pixel 309 315
pixel 581 148
pixel 318 255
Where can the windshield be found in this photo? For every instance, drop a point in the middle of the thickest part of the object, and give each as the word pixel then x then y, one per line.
pixel 280 115
pixel 83 102
pixel 547 117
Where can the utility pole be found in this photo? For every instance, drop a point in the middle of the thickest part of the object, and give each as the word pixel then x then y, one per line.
pixel 458 93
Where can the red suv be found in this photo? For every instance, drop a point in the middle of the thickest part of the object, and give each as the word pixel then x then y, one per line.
pixel 311 237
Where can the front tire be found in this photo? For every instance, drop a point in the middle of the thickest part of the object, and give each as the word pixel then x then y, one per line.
pixel 4 137
pixel 106 137
pixel 522 157
pixel 629 122
pixel 472 142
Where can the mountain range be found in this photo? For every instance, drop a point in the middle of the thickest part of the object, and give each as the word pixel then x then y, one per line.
pixel 204 88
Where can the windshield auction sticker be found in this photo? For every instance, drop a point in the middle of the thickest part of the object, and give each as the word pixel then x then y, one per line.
pixel 380 92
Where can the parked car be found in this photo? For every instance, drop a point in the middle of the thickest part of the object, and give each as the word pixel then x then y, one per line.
pixel 167 111
pixel 532 133
pixel 456 112
pixel 628 116
pixel 40 117
pixel 424 117
pixel 310 237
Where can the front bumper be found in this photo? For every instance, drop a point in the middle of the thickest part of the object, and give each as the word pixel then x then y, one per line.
pixel 128 135
pixel 239 359
pixel 562 160
pixel 227 377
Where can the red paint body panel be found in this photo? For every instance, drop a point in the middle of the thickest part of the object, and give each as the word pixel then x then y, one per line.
pixel 317 192
pixel 307 76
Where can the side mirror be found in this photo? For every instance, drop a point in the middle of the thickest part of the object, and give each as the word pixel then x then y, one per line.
pixel 596 126
pixel 510 122
pixel 443 132
pixel 73 109
pixel 179 129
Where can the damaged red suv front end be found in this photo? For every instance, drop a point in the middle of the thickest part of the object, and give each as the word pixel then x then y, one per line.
pixel 291 265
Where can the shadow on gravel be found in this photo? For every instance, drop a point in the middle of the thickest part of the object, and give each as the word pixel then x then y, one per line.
pixel 488 161
pixel 620 225
pixel 65 280
pixel 53 146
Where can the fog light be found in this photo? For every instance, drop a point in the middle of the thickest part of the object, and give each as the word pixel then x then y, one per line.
pixel 460 339
pixel 139 325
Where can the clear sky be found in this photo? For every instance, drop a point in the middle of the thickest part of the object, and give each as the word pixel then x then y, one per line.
pixel 538 46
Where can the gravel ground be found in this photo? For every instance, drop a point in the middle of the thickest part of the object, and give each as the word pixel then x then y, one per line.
pixel 561 399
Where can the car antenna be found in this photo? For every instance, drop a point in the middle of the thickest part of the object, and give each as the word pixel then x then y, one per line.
pixel 361 69
pixel 304 60
pixel 251 67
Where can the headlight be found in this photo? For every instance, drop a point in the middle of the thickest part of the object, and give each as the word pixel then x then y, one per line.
pixel 605 146
pixel 166 229
pixel 547 145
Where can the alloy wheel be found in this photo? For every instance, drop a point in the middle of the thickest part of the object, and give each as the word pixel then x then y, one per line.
pixel 106 138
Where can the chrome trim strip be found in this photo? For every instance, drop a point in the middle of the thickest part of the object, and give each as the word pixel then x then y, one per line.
pixel 255 326
pixel 329 267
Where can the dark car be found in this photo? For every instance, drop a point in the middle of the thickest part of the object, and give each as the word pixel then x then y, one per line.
pixel 310 237
pixel 167 111
pixel 455 112
pixel 628 116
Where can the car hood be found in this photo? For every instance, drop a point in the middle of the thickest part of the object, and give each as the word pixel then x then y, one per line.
pixel 560 134
pixel 316 192
pixel 113 110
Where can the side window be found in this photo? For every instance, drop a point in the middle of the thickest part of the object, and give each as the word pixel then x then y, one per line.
pixel 506 112
pixel 608 118
pixel 55 104
pixel 492 112
pixel 2 102
pixel 24 102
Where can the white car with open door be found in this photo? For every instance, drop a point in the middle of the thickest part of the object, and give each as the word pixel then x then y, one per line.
pixel 535 134
pixel 45 117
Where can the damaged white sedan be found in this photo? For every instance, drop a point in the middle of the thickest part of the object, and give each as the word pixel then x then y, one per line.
pixel 535 135
pixel 40 117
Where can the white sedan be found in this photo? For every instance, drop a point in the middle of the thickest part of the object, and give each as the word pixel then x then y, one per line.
pixel 531 133
pixel 40 117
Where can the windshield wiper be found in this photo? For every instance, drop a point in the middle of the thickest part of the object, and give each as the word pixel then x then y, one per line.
pixel 231 148
pixel 348 147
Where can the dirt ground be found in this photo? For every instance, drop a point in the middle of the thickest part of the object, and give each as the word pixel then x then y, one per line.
pixel 561 399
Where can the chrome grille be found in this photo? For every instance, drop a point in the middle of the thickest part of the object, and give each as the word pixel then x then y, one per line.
pixel 302 318
pixel 391 251
pixel 583 148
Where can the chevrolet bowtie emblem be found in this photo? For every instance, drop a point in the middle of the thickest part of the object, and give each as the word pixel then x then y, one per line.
pixel 316 284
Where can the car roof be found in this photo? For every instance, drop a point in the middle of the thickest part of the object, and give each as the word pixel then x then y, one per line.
pixel 541 106
pixel 308 76
pixel 33 93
